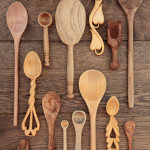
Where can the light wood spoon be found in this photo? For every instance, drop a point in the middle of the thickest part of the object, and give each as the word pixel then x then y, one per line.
pixel 78 119
pixel 130 7
pixel 23 145
pixel 64 125
pixel 51 106
pixel 32 69
pixel 70 23
pixel 129 129
pixel 92 85
pixel 17 19
pixel 45 20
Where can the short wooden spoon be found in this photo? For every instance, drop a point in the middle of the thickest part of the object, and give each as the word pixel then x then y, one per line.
pixel 92 85
pixel 78 119
pixel 130 7
pixel 51 106
pixel 17 19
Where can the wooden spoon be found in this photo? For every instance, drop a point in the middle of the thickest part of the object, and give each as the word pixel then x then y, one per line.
pixel 78 119
pixel 23 145
pixel 130 7
pixel 51 106
pixel 17 19
pixel 45 20
pixel 32 69
pixel 70 23
pixel 92 85
pixel 112 109
pixel 130 129
pixel 64 125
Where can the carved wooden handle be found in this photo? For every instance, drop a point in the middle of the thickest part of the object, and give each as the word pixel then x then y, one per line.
pixel 46 47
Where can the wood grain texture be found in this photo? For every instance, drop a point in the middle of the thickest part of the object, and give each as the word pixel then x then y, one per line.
pixel 54 79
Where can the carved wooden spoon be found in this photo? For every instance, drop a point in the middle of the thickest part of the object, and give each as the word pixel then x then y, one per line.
pixel 130 7
pixel 130 129
pixel 17 19
pixel 92 85
pixel 23 145
pixel 70 23
pixel 51 106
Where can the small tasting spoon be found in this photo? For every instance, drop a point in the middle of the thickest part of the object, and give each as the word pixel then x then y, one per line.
pixel 45 20
pixel 64 125
pixel 78 119
pixel 23 145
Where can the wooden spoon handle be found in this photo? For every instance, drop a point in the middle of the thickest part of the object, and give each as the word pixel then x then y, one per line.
pixel 51 137
pixel 46 47
pixel 70 72
pixel 65 139
pixel 130 62
pixel 78 139
pixel 16 79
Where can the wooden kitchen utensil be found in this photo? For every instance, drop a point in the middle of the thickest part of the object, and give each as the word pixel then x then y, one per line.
pixel 112 109
pixel 32 69
pixel 17 19
pixel 51 106
pixel 70 23
pixel 45 20
pixel 130 8
pixel 114 38
pixel 23 145
pixel 92 85
pixel 64 125
pixel 78 119
pixel 95 20
pixel 130 129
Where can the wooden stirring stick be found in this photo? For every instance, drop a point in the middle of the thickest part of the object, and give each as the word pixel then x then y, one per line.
pixel 23 145
pixel 130 129
pixel 114 38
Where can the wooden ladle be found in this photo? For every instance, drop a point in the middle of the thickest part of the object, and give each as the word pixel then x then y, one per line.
pixel 32 69
pixel 78 119
pixel 130 7
pixel 92 85
pixel 70 23
pixel 45 20
pixel 17 19
pixel 23 145
pixel 51 106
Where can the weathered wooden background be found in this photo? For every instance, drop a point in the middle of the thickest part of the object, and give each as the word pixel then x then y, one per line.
pixel 54 78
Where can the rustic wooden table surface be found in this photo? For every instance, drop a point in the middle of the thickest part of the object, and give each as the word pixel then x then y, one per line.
pixel 54 78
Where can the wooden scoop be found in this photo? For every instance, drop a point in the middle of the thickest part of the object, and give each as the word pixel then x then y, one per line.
pixel 130 7
pixel 70 23
pixel 51 106
pixel 114 38
pixel 45 20
pixel 32 69
pixel 92 85
pixel 78 119
pixel 17 19
pixel 23 145
pixel 130 129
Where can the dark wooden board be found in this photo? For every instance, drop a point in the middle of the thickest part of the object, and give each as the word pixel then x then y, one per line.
pixel 54 78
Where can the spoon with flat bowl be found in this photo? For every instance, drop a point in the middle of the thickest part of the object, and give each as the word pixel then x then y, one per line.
pixel 78 119
pixel 92 85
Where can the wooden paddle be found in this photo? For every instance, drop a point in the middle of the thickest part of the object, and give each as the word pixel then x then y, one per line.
pixel 70 23
pixel 130 7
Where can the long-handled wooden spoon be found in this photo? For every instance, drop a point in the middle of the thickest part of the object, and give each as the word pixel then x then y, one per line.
pixel 23 145
pixel 45 20
pixel 70 23
pixel 129 129
pixel 32 69
pixel 17 19
pixel 64 125
pixel 92 85
pixel 78 119
pixel 51 106
pixel 130 7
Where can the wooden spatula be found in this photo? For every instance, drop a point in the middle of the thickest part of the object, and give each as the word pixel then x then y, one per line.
pixel 130 7
pixel 70 23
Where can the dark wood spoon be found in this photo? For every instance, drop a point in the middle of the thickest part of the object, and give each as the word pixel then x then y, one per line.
pixel 130 7
pixel 51 106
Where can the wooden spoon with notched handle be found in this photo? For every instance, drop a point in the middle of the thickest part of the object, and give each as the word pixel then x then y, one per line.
pixel 51 106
